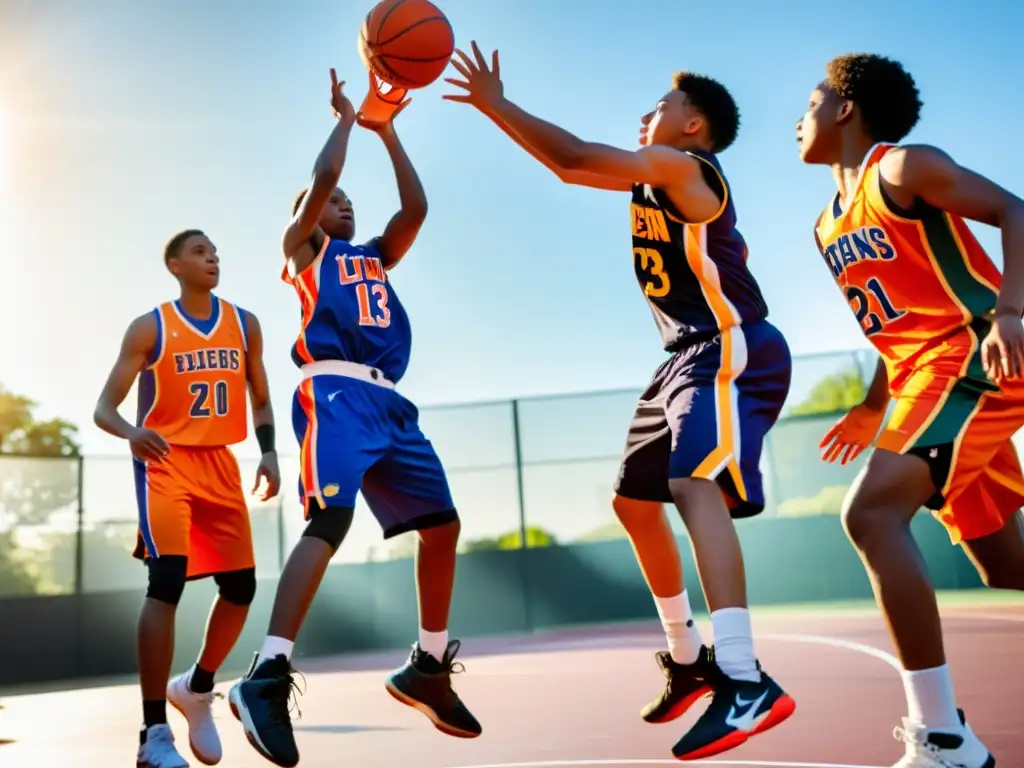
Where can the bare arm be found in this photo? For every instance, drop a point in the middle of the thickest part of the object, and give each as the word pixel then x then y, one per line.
pixel 569 177
pixel 256 374
pixel 877 398
pixel 930 174
pixel 138 344
pixel 655 165
pixel 401 231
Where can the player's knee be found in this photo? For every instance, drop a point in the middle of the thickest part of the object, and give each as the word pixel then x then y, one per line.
pixel 167 576
pixel 330 525
pixel 237 587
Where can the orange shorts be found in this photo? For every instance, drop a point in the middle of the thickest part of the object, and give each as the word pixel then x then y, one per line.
pixel 192 504
pixel 963 428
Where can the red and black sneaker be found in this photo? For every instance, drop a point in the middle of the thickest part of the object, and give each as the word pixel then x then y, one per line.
pixel 739 709
pixel 685 685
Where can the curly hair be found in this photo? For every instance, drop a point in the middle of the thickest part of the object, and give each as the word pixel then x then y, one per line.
pixel 713 101
pixel 885 93
pixel 173 248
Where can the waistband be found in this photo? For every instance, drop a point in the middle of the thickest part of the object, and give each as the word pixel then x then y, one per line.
pixel 345 368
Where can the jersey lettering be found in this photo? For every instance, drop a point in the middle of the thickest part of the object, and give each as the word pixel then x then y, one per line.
pixel 649 223
pixel 866 243
pixel 859 299
pixel 360 272
pixel 208 359
pixel 651 262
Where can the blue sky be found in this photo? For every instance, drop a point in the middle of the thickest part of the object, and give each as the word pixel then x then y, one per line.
pixel 128 121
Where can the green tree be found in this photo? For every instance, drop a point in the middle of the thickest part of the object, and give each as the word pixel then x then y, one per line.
pixel 535 537
pixel 837 392
pixel 38 477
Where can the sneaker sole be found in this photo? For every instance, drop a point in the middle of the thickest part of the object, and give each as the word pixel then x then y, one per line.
pixel 781 710
pixel 241 714
pixel 437 722
pixel 204 759
pixel 680 708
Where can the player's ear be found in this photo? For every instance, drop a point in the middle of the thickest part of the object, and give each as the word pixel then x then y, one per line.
pixel 844 111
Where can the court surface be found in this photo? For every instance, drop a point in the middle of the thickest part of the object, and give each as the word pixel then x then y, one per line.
pixel 572 698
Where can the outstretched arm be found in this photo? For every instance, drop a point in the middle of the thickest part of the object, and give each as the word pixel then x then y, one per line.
pixel 262 412
pixel 401 231
pixel 326 172
pixel 557 148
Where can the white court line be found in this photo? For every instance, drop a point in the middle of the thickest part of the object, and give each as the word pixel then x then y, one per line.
pixel 751 763
pixel 837 642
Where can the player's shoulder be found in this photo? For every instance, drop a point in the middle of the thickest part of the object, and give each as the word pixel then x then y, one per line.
pixel 907 163
pixel 145 330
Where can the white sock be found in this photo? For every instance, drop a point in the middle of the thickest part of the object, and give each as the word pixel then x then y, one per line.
pixel 434 643
pixel 931 700
pixel 734 644
pixel 276 646
pixel 683 637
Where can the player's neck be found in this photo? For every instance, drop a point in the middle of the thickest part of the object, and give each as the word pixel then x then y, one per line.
pixel 197 305
pixel 846 171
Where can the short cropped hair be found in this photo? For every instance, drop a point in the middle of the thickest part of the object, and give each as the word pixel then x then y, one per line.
pixel 173 248
pixel 885 93
pixel 713 100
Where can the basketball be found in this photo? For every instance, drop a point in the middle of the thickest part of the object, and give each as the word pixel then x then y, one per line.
pixel 407 43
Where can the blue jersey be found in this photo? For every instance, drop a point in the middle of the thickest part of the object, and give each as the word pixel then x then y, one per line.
pixel 350 311
pixel 693 273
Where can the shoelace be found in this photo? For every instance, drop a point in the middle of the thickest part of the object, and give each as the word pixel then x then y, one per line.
pixel 921 749
pixel 451 666
pixel 284 697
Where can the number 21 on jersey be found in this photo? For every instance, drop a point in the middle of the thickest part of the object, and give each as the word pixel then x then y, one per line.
pixel 870 322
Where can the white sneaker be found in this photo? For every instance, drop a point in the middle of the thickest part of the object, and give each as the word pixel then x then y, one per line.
pixel 936 749
pixel 157 749
pixel 197 709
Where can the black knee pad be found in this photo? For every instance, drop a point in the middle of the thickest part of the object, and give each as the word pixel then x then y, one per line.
pixel 329 524
pixel 167 578
pixel 237 587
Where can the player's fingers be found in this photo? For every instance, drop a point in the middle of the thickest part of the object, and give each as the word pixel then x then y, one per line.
pixel 457 83
pixel 334 79
pixel 457 99
pixel 1018 359
pixel 468 62
pixel 830 435
pixel 858 449
pixel 481 62
pixel 461 68
pixel 495 64
pixel 1004 357
pixel 830 453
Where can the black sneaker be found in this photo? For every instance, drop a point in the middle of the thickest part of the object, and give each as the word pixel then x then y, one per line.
pixel 685 685
pixel 425 683
pixel 739 709
pixel 260 703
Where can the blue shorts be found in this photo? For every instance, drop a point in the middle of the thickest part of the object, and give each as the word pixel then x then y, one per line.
pixel 705 414
pixel 359 436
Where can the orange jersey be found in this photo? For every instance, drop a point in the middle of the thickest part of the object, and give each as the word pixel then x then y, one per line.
pixel 916 281
pixel 193 391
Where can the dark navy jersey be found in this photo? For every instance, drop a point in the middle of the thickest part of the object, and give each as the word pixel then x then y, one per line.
pixel 693 274
pixel 350 311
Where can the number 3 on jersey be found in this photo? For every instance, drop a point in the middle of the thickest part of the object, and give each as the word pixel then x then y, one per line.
pixel 380 319
pixel 652 263
pixel 200 391
pixel 870 322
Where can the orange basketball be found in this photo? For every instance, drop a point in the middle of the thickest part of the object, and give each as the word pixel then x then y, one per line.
pixel 407 43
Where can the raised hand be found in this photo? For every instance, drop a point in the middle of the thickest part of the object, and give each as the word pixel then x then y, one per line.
pixel 849 436
pixel 482 84
pixel 340 105
pixel 380 108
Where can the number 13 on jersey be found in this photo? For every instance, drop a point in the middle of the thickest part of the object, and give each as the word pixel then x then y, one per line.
pixel 378 315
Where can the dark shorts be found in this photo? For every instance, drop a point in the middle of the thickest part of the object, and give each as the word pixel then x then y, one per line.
pixel 705 414
pixel 359 436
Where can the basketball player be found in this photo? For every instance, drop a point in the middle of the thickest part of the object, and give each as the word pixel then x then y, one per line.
pixel 357 433
pixel 195 358
pixel 697 434
pixel 948 328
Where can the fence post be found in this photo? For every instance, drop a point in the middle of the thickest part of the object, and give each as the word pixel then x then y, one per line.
pixel 524 555
pixel 79 529
pixel 280 534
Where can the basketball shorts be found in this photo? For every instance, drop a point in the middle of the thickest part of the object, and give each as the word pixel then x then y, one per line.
pixel 191 503
pixel 358 434
pixel 705 414
pixel 962 426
